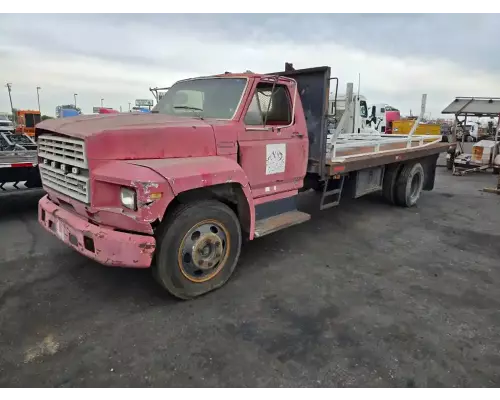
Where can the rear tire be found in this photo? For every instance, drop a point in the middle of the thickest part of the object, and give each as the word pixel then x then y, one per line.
pixel 198 248
pixel 389 184
pixel 409 185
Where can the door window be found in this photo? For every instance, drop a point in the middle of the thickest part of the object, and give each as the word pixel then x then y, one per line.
pixel 363 109
pixel 269 107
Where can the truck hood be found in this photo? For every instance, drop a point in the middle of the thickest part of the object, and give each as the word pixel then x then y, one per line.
pixel 84 126
pixel 130 136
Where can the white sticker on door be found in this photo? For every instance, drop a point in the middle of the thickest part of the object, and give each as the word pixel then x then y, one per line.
pixel 275 158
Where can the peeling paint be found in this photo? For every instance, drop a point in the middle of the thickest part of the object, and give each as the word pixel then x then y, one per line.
pixel 147 248
pixel 146 186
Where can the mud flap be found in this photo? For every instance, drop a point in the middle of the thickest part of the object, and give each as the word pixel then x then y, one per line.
pixel 429 163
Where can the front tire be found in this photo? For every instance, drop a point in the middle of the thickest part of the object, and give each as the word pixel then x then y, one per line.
pixel 198 248
pixel 409 185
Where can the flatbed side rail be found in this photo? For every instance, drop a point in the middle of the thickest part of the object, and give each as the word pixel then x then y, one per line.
pixel 340 142
pixel 376 142
pixel 12 157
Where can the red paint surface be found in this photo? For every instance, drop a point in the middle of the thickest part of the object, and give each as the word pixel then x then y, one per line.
pixel 111 247
pixel 184 174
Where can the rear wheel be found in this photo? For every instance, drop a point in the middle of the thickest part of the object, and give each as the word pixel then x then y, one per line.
pixel 198 249
pixel 409 185
pixel 389 185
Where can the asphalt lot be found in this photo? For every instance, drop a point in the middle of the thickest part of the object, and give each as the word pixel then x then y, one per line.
pixel 364 294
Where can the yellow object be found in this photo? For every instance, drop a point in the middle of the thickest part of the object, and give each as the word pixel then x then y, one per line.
pixel 403 127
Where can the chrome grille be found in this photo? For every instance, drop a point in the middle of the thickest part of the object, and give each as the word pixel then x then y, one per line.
pixel 64 150
pixel 63 166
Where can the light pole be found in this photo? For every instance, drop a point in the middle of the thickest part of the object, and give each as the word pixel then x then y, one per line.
pixel 38 98
pixel 102 102
pixel 128 107
pixel 74 95
pixel 9 86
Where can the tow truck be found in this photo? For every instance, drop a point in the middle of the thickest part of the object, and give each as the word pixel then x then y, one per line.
pixel 220 160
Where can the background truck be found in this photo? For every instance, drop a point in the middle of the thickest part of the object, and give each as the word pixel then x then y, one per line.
pixel 26 121
pixel 378 117
pixel 68 110
pixel 219 160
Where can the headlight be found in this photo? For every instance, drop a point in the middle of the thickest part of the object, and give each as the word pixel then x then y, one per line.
pixel 128 198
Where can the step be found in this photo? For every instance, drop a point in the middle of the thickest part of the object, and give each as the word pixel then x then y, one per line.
pixel 272 224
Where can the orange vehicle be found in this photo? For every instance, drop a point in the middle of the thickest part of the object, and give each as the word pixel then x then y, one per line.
pixel 26 121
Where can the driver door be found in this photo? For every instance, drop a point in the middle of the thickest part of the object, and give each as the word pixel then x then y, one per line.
pixel 272 150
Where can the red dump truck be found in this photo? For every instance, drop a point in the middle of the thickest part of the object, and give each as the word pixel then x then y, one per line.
pixel 220 160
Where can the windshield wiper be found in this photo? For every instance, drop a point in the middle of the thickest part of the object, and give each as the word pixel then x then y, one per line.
pixel 188 108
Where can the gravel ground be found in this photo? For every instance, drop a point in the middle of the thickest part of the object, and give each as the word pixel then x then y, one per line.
pixel 364 294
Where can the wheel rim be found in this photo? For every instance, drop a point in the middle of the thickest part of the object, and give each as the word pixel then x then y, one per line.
pixel 203 251
pixel 415 186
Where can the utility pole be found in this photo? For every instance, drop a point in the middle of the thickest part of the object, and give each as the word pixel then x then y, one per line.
pixel 38 98
pixel 102 102
pixel 120 108
pixel 74 95
pixel 128 107
pixel 9 86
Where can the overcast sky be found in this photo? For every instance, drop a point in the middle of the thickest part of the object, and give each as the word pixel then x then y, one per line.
pixel 118 57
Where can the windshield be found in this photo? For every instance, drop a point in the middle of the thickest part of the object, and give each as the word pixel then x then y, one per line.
pixel 32 120
pixel 216 98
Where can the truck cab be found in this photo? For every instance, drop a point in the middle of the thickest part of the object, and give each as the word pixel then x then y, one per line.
pixel 239 139
pixel 26 121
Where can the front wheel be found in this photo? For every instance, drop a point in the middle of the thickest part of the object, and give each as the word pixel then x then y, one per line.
pixel 197 249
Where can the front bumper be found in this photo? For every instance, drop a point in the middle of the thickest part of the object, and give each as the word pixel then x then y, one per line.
pixel 101 244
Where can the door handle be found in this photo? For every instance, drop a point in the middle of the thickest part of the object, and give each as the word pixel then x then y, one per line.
pixel 298 134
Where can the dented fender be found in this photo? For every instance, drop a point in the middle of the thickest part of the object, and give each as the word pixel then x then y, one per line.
pixel 153 196
pixel 183 174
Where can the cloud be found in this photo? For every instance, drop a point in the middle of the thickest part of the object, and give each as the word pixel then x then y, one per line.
pixel 118 57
